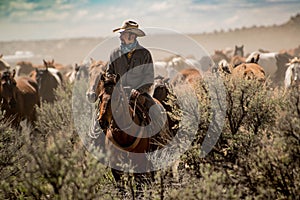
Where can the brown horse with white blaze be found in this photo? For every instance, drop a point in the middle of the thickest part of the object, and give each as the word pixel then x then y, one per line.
pixel 96 70
pixel 48 80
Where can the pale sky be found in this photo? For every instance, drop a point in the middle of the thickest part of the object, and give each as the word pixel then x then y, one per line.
pixel 49 19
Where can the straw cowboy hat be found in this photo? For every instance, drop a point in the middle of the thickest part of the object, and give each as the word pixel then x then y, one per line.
pixel 130 26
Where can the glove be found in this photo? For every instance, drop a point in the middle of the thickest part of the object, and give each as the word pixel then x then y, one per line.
pixel 134 93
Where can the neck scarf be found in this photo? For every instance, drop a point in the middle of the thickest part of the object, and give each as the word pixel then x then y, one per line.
pixel 125 48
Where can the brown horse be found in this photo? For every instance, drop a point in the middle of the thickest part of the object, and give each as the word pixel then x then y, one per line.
pixel 24 68
pixel 237 60
pixel 250 71
pixel 96 70
pixel 219 55
pixel 125 127
pixel 188 75
pixel 48 80
pixel 19 98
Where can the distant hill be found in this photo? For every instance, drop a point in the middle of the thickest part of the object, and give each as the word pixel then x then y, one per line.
pixel 273 38
pixel 70 51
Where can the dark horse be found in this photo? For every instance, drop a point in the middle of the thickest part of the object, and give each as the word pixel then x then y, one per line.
pixel 128 130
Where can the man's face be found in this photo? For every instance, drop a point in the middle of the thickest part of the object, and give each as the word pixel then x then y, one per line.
pixel 126 38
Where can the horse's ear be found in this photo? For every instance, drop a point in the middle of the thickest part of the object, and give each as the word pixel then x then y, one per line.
pixel 256 58
pixel 45 62
pixel 52 62
pixel 76 67
pixel 14 73
pixel 92 60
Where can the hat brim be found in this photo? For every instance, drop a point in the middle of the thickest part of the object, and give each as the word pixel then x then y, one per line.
pixel 136 31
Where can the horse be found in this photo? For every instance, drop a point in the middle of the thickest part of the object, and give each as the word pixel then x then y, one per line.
pixel 292 74
pixel 19 98
pixel 206 63
pixel 125 127
pixel 162 92
pixel 273 63
pixel 179 63
pixel 24 68
pixel 224 68
pixel 237 60
pixel 219 55
pixel 249 71
pixel 163 68
pixel 3 64
pixel 244 70
pixel 96 69
pixel 80 72
pixel 188 75
pixel 239 51
pixel 48 80
pixel 63 69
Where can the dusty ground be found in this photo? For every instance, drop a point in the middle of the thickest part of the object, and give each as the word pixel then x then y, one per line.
pixel 70 51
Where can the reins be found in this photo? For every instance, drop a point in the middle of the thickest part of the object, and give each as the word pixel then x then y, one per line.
pixel 134 107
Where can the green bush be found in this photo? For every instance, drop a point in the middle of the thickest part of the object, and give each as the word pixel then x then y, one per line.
pixel 255 157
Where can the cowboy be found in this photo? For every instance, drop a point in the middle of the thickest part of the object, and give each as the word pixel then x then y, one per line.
pixel 133 63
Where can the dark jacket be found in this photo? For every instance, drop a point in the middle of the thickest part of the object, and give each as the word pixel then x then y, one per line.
pixel 136 70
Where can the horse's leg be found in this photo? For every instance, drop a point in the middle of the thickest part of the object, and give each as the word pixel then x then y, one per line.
pixel 142 180
pixel 120 182
pixel 16 124
pixel 31 119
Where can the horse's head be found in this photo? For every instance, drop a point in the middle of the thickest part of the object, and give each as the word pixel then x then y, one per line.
pixel 239 51
pixel 81 71
pixel 8 87
pixel 95 86
pixel 41 77
pixel 105 112
pixel 49 64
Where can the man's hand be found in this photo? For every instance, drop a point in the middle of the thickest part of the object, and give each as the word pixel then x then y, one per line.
pixel 134 93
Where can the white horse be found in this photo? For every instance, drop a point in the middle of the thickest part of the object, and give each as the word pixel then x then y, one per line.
pixel 273 63
pixel 292 74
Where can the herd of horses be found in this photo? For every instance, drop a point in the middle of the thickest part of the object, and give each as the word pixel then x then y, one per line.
pixel 27 87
